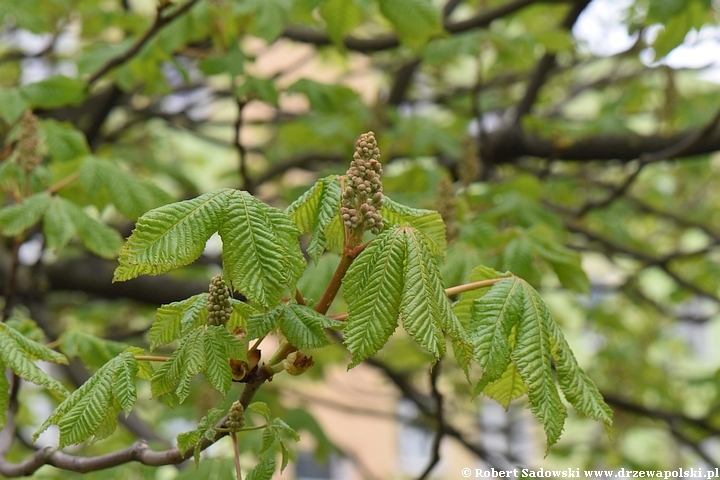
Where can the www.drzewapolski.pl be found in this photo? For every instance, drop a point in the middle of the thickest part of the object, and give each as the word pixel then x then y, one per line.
pixel 577 473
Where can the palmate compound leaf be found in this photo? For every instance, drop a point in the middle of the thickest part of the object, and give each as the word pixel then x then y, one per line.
pixel 173 319
pixel 171 236
pixel 397 277
pixel 428 222
pixel 18 353
pixel 511 326
pixel 203 350
pixel 261 253
pixel 91 410
pixel 315 210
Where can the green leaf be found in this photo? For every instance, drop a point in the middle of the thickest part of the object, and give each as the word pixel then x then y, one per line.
pixel 203 430
pixel 54 92
pixel 85 412
pixel 341 16
pixel 12 105
pixel 231 62
pixel 63 141
pixel 261 409
pixel 4 397
pixel 258 89
pixel 57 225
pixel 512 329
pixel 171 236
pixel 577 387
pixel 507 388
pixel 261 253
pixel 373 290
pixel 428 222
pixel 176 318
pixel 90 349
pixel 415 20
pixel 263 470
pixel 261 324
pixel 424 308
pixel 219 347
pixel 186 362
pixel 315 210
pixel 15 219
pixel 97 237
pixel 124 389
pixel 19 353
pixel 132 196
pixel 303 326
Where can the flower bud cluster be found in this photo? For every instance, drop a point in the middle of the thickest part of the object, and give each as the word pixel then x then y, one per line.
pixel 363 198
pixel 236 417
pixel 28 152
pixel 218 302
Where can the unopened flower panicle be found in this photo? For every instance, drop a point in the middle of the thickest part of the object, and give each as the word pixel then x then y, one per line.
pixel 236 417
pixel 218 302
pixel 363 198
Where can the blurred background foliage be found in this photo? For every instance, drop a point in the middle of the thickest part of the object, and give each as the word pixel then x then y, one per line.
pixel 571 142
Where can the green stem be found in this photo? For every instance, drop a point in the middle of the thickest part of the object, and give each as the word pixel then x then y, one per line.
pixel 474 285
pixel 151 358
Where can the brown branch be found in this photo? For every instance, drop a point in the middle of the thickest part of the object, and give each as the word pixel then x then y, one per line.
pixel 439 420
pixel 160 21
pixel 385 42
pixel 676 150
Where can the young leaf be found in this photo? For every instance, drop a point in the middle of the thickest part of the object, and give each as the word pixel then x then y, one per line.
pixel 263 470
pixel 507 388
pixel 57 225
pixel 18 353
pixel 15 219
pixel 124 389
pixel 219 347
pixel 415 20
pixel 97 237
pixel 205 350
pixel 171 236
pixel 186 362
pixel 303 326
pixel 85 412
pixel 341 16
pixel 428 222
pixel 261 409
pixel 203 430
pixel 176 318
pixel 577 387
pixel 512 327
pixel 315 210
pixel 90 349
pixel 261 324
pixel 373 290
pixel 261 253
pixel 424 307
pixel 63 141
